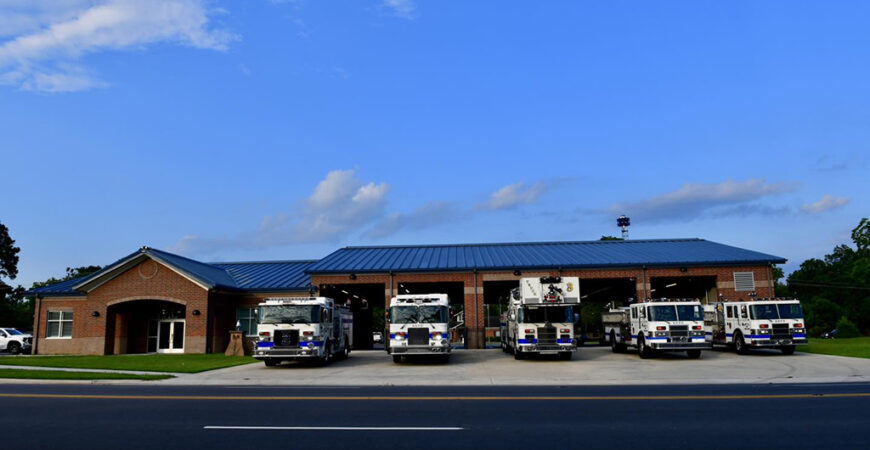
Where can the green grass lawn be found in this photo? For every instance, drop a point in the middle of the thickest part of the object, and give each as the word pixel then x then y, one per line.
pixel 854 347
pixel 150 363
pixel 62 375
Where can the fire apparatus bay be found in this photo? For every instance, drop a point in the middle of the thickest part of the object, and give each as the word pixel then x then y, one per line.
pixel 302 328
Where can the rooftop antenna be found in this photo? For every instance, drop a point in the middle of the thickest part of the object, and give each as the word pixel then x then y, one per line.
pixel 623 222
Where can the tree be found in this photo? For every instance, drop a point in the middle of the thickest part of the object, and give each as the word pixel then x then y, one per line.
pixel 11 308
pixel 8 254
pixel 861 235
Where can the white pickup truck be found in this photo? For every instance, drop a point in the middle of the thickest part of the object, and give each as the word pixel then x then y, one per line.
pixel 14 341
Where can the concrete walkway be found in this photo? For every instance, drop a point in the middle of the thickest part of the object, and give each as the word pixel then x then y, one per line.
pixel 73 369
pixel 590 366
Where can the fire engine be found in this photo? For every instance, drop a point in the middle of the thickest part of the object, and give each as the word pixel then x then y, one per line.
pixel 314 328
pixel 540 317
pixel 418 326
pixel 657 325
pixel 759 323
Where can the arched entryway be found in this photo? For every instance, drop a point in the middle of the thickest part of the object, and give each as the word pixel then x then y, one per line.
pixel 146 326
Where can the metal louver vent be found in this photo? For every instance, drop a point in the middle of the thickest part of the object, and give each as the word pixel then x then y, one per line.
pixel 744 281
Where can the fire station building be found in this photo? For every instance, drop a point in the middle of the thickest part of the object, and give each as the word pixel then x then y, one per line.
pixel 155 301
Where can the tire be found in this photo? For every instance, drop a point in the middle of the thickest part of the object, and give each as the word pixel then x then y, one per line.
pixel 787 349
pixel 693 354
pixel 397 358
pixel 642 349
pixel 271 362
pixel 614 346
pixel 14 348
pixel 445 359
pixel 565 356
pixel 518 354
pixel 740 344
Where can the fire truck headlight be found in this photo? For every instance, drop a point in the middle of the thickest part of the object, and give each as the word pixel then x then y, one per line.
pixel 661 333
pixel 311 345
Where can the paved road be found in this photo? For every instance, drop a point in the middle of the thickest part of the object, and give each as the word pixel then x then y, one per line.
pixel 715 416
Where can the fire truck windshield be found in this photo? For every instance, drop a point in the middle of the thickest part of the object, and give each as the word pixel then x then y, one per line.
pixel 542 314
pixel 289 314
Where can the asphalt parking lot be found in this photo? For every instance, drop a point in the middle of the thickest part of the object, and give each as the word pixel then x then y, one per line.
pixel 590 366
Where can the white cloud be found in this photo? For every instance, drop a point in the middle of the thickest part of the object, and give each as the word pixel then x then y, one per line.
pixel 827 203
pixel 46 44
pixel 406 9
pixel 427 216
pixel 513 195
pixel 340 205
pixel 693 200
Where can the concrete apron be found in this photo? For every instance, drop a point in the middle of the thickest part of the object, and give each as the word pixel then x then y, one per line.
pixel 590 366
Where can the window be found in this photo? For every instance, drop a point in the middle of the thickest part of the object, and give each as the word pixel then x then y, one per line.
pixel 248 318
pixel 60 324
pixel 744 281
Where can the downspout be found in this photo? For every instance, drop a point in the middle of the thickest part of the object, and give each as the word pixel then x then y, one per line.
pixel 38 315
pixel 476 311
pixel 771 289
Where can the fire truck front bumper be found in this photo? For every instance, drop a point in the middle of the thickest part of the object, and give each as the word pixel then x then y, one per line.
pixel 677 343
pixel 303 351
pixel 767 341
pixel 418 349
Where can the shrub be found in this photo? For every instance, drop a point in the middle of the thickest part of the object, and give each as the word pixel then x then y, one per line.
pixel 846 329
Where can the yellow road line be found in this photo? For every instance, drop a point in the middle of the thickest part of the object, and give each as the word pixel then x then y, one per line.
pixel 441 398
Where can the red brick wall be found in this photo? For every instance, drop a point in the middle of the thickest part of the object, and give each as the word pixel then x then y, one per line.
pixel 89 333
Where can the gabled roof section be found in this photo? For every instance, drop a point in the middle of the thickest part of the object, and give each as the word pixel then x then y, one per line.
pixel 538 255
pixel 269 275
pixel 205 275
pixel 230 276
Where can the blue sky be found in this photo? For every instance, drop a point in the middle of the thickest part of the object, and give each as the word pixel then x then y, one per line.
pixel 253 130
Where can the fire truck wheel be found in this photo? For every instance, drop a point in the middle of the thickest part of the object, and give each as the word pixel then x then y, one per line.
pixel 397 358
pixel 565 356
pixel 787 349
pixel 270 362
pixel 518 354
pixel 740 344
pixel 642 350
pixel 693 354
pixel 614 346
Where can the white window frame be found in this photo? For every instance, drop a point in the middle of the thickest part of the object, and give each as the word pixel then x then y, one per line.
pixel 746 276
pixel 62 318
pixel 252 319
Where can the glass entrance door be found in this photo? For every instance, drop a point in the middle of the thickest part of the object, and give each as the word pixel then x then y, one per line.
pixel 170 336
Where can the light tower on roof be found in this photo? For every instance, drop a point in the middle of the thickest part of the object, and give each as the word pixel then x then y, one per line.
pixel 623 222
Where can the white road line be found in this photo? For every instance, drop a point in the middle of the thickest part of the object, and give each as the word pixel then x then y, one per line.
pixel 232 427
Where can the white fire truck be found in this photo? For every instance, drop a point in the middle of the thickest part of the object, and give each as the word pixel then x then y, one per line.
pixel 657 325
pixel 302 328
pixel 540 317
pixel 419 326
pixel 760 323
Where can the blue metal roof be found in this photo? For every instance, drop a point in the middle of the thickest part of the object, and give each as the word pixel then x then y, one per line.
pixel 241 276
pixel 63 288
pixel 538 255
pixel 269 275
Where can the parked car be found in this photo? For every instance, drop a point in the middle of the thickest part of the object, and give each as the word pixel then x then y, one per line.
pixel 14 341
pixel 830 334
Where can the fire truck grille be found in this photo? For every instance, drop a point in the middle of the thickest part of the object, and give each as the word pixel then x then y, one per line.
pixel 418 336
pixel 780 331
pixel 546 336
pixel 679 330
pixel 287 338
